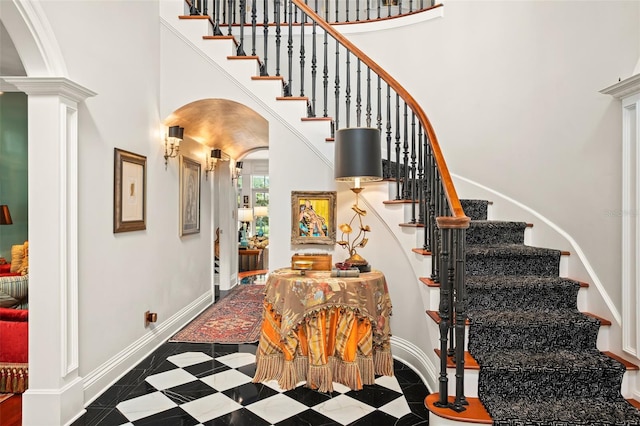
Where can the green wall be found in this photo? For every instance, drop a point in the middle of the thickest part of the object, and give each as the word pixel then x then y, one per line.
pixel 13 169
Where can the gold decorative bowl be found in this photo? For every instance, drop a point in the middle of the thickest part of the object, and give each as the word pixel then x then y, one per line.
pixel 302 265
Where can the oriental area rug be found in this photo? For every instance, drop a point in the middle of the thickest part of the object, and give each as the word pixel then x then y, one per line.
pixel 234 319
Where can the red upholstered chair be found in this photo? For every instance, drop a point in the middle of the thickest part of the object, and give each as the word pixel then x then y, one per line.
pixel 14 350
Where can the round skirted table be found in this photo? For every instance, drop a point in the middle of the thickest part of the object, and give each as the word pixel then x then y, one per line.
pixel 322 329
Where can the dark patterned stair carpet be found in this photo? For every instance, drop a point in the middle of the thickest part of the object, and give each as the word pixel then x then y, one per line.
pixel 539 365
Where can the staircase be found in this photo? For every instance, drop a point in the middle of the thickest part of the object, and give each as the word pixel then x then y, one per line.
pixel 532 358
pixel 533 354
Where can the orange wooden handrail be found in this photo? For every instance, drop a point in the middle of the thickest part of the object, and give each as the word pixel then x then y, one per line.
pixel 447 182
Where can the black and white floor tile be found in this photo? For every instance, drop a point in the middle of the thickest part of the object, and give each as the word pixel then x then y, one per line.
pixel 193 384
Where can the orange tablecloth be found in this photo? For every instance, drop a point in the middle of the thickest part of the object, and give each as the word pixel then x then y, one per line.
pixel 320 329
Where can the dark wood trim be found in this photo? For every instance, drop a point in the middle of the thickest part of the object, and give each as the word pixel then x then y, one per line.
pixel 475 412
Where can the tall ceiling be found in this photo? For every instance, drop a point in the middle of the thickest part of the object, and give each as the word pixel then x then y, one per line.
pixel 217 123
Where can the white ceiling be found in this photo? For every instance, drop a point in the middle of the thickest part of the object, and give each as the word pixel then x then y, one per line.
pixel 10 63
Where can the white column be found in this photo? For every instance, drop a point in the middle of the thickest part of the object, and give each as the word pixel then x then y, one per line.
pixel 629 92
pixel 55 395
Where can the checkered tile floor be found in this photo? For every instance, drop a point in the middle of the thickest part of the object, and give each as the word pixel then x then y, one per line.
pixel 210 384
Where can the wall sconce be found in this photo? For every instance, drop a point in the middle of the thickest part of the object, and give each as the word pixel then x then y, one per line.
pixel 216 155
pixel 358 159
pixel 238 171
pixel 172 143
pixel 5 215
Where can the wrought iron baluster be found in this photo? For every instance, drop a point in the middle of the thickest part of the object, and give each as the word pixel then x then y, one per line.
pixel 346 6
pixel 413 168
pixel 216 18
pixel 398 179
pixel 428 197
pixel 461 316
pixel 368 109
pixel 444 311
pixel 314 66
pixel 437 241
pixel 254 23
pixel 389 133
pixel 336 119
pixel 234 12
pixel 379 113
pixel 368 10
pixel 288 87
pixel 357 10
pixel 337 12
pixel 347 91
pixel 229 23
pixel 277 17
pixel 358 94
pixel 265 30
pixel 405 159
pixel 421 183
pixel 243 13
pixel 193 9
pixel 325 68
pixel 205 7
pixel 302 52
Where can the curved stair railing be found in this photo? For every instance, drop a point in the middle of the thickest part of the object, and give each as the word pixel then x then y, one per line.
pixel 349 89
pixel 230 12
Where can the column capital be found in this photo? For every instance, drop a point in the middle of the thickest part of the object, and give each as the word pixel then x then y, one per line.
pixel 43 86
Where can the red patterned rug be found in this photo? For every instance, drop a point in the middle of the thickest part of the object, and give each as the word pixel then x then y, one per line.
pixel 234 319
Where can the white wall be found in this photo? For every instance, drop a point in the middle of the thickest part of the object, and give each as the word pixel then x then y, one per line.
pixel 512 91
pixel 521 76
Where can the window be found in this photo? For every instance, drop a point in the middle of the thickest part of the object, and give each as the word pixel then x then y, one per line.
pixel 260 195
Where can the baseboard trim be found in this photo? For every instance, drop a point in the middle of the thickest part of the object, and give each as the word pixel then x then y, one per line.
pixel 414 358
pixel 103 377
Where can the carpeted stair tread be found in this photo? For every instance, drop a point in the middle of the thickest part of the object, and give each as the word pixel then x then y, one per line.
pixel 510 250
pixel 566 411
pixel 489 232
pixel 559 373
pixel 521 291
pixel 562 359
pixel 529 318
pixel 534 330
pixel 512 259
pixel 475 209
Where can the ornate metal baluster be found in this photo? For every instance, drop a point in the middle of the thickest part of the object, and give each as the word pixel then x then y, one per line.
pixel 337 88
pixel 389 133
pixel 358 94
pixel 277 17
pixel 461 316
pixel 398 179
pixel 347 91
pixel 405 159
pixel 346 5
pixel 368 109
pixel 428 169
pixel 193 9
pixel 444 311
pixel 357 10
pixel 254 23
pixel 229 23
pixel 216 18
pixel 325 68
pixel 243 14
pixel 288 87
pixel 314 65
pixel 205 8
pixel 437 240
pixel 337 12
pixel 379 114
pixel 302 52
pixel 421 183
pixel 263 67
pixel 413 181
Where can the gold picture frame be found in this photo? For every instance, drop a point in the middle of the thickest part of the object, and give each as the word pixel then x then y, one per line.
pixel 129 191
pixel 190 182
pixel 313 217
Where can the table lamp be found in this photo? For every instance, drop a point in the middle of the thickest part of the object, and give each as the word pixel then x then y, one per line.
pixel 357 159
pixel 245 216
pixel 261 211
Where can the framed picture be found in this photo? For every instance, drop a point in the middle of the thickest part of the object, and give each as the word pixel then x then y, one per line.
pixel 129 191
pixel 189 196
pixel 313 217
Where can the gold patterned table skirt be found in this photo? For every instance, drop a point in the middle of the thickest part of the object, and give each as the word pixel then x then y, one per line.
pixel 321 329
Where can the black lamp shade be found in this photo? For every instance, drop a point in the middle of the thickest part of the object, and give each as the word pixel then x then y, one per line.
pixel 358 154
pixel 5 216
pixel 239 165
pixel 216 153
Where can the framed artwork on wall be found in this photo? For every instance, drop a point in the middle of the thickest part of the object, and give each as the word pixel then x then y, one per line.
pixel 189 196
pixel 129 191
pixel 313 217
